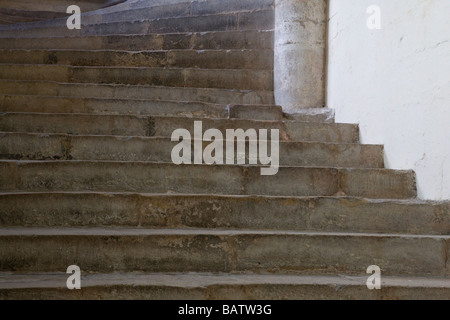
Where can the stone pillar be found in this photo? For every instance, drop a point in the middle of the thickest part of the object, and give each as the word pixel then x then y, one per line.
pixel 300 54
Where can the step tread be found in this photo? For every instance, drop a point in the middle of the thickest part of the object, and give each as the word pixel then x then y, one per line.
pixel 258 19
pixel 179 9
pixel 230 120
pixel 165 177
pixel 406 202
pixel 61 66
pixel 202 280
pixel 108 99
pixel 130 35
pixel 168 164
pixel 250 79
pixel 4 134
pixel 223 59
pixel 120 85
pixel 26 26
pixel 256 39
pixel 38 146
pixel 124 91
pixel 130 51
pixel 137 232
pixel 334 213
pixel 208 105
pixel 205 250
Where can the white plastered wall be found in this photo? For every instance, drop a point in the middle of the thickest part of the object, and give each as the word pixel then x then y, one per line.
pixel 395 82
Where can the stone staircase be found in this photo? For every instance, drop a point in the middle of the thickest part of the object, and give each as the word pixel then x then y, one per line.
pixel 87 177
pixel 19 11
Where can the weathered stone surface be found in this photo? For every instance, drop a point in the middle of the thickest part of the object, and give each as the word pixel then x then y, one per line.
pixel 212 211
pixel 53 146
pixel 162 178
pixel 194 179
pixel 117 91
pixel 255 20
pixel 223 287
pixel 313 115
pixel 153 12
pixel 25 11
pixel 251 39
pixel 219 59
pixel 164 250
pixel 92 111
pixel 155 107
pixel 85 58
pixel 215 6
pixel 53 104
pixel 126 125
pixel 361 183
pixel 172 77
pixel 334 253
pixel 109 252
pixel 300 60
pixel 44 104
pixel 165 9
pixel 262 112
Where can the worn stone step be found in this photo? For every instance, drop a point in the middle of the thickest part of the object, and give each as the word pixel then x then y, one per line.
pixel 203 250
pixel 26 146
pixel 151 12
pixel 170 77
pixel 204 286
pixel 148 177
pixel 11 16
pixel 240 21
pixel 125 92
pixel 156 11
pixel 318 214
pixel 213 40
pixel 57 6
pixel 43 104
pixel 256 112
pixel 313 115
pixel 202 59
pixel 126 125
pixel 195 8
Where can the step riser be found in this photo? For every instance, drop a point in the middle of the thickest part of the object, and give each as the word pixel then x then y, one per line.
pixel 226 180
pixel 193 41
pixel 312 254
pixel 309 214
pixel 164 127
pixel 197 78
pixel 258 20
pixel 259 60
pixel 35 147
pixel 104 91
